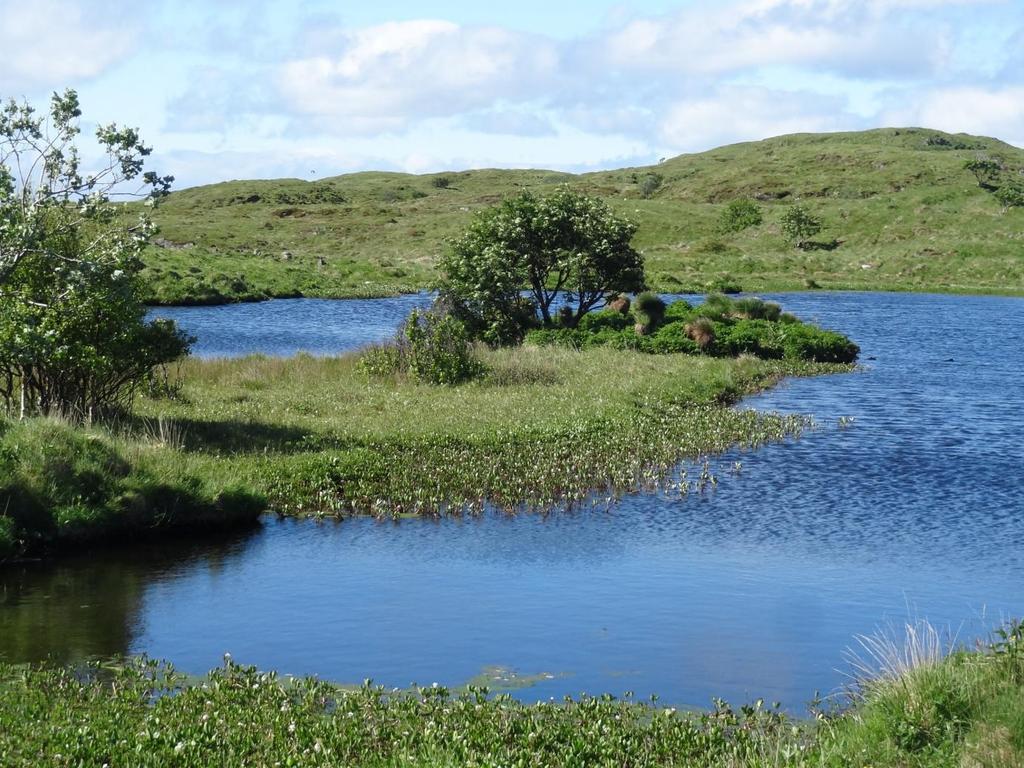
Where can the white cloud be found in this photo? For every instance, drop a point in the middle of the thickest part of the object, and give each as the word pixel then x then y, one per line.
pixel 893 38
pixel 746 114
pixel 51 44
pixel 387 75
pixel 997 112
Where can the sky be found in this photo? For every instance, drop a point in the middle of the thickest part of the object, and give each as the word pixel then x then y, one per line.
pixel 226 89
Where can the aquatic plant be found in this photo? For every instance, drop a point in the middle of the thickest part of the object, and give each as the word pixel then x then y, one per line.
pixel 964 709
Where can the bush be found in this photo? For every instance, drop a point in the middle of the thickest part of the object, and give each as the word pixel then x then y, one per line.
pixel 805 342
pixel 678 310
pixel 670 339
pixel 724 284
pixel 739 215
pixel 799 225
pixel 756 309
pixel 715 306
pixel 380 360
pixel 606 319
pixel 702 331
pixel 650 310
pixel 650 184
pixel 1011 196
pixel 430 347
pixel 751 337
pixel 719 327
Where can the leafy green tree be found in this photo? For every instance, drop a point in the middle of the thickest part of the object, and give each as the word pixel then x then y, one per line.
pixel 73 334
pixel 986 171
pixel 567 247
pixel 799 225
pixel 739 215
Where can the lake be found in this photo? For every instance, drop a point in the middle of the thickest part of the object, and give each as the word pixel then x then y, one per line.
pixel 911 507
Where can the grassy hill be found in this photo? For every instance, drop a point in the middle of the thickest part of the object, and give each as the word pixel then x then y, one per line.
pixel 900 212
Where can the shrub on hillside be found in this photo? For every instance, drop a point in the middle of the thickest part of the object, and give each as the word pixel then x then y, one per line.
pixel 1011 195
pixel 799 225
pixel 739 215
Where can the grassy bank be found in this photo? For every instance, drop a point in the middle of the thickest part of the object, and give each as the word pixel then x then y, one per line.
pixel 309 435
pixel 63 486
pixel 966 710
pixel 543 427
pixel 900 212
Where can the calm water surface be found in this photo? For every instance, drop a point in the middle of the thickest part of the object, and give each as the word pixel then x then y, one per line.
pixel 916 509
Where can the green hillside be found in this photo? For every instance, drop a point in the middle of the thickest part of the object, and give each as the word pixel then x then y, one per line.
pixel 900 212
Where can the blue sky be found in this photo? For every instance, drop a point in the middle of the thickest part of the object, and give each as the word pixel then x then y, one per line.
pixel 234 89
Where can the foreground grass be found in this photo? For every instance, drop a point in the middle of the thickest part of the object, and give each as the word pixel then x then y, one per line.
pixel 900 212
pixel 966 710
pixel 305 435
pixel 544 427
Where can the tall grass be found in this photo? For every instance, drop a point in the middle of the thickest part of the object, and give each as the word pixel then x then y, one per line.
pixel 543 427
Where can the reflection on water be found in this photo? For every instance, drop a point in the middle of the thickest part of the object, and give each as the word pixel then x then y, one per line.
pixel 92 606
pixel 755 589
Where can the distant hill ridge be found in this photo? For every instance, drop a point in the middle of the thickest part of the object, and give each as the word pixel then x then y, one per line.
pixel 900 212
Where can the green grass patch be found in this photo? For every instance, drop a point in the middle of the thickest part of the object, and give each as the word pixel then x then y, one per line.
pixel 62 487
pixel 543 427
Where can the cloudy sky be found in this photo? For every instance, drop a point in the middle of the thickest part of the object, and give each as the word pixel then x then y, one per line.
pixel 244 89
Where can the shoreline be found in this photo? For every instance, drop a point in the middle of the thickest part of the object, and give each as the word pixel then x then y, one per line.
pixel 928 290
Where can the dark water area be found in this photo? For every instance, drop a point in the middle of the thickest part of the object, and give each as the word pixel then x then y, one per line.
pixel 912 507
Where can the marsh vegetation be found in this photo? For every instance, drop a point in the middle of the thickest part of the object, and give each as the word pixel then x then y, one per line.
pixel 963 709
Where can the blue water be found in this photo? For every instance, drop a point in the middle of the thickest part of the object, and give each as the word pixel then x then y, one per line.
pixel 915 509
pixel 288 326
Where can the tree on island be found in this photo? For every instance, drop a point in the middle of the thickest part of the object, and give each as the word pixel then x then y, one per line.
pixel 566 248
pixel 73 335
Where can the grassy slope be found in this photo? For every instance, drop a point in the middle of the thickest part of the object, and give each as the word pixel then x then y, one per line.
pixel 905 209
